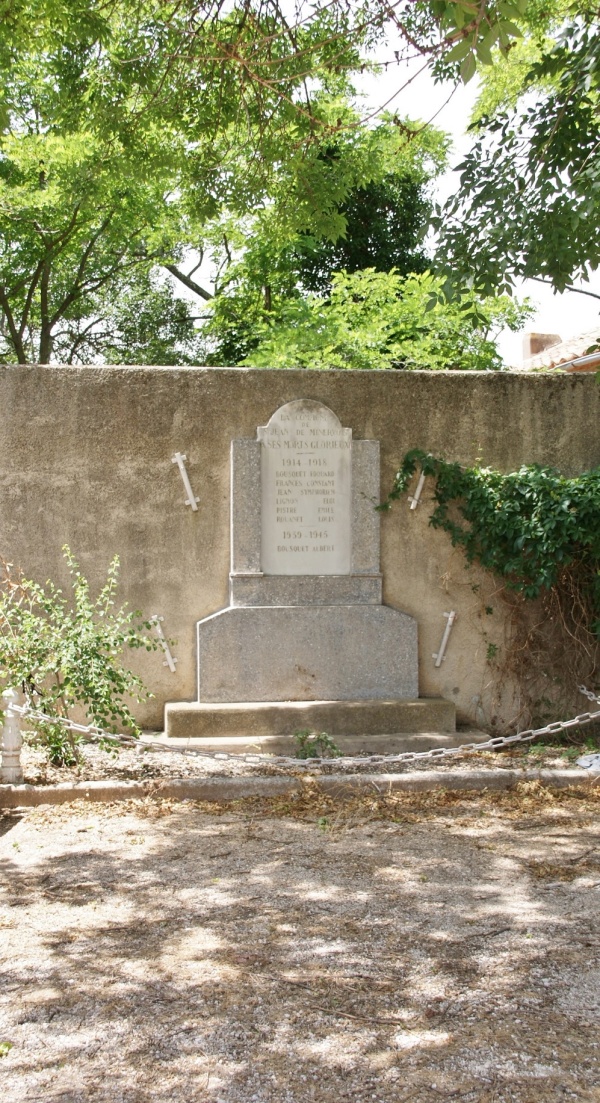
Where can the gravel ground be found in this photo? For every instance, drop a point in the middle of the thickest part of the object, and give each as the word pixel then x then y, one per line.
pixel 406 948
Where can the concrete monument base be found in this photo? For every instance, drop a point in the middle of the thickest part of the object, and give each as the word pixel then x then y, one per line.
pixel 256 719
pixel 307 653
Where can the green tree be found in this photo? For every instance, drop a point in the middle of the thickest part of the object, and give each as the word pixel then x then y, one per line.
pixel 386 222
pixel 125 127
pixel 383 320
pixel 72 228
pixel 144 322
pixel 501 85
pixel 529 197
pixel 373 211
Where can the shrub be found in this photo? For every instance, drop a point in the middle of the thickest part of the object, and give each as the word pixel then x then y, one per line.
pixel 64 656
pixel 315 745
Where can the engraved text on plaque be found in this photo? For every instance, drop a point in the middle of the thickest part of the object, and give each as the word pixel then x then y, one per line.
pixel 306 463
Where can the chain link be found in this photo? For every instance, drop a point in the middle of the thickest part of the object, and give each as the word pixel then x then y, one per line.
pixel 94 734
pixel 588 693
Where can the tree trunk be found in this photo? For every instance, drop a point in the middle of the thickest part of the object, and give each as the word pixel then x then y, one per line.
pixel 15 337
pixel 46 343
pixel 46 326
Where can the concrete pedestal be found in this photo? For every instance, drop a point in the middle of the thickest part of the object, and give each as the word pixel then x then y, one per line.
pixel 361 719
pixel 307 653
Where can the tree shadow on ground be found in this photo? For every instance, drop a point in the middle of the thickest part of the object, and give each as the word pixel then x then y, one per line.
pixel 8 820
pixel 238 958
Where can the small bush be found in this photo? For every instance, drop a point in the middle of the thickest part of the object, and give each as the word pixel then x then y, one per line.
pixel 64 656
pixel 315 745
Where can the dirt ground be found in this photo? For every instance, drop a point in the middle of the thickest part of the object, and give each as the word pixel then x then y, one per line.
pixel 141 764
pixel 403 947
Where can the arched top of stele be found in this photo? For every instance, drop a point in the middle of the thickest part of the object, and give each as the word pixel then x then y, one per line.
pixel 306 489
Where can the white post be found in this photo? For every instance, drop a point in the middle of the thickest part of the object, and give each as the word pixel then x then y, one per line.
pixel 12 741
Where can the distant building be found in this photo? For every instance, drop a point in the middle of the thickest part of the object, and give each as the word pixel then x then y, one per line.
pixel 546 350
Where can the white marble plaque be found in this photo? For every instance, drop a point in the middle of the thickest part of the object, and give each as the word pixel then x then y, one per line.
pixel 306 463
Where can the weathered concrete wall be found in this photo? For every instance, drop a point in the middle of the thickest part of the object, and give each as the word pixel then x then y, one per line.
pixel 85 459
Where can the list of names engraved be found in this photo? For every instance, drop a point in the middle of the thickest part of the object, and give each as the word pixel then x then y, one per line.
pixel 306 462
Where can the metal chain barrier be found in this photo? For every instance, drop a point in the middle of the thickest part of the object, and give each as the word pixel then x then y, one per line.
pixel 93 734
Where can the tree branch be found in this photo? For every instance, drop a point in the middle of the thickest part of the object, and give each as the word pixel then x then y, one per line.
pixel 77 289
pixel 82 337
pixel 29 297
pixel 569 287
pixel 187 282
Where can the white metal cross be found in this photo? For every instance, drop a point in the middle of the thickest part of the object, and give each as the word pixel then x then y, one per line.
pixel 414 498
pixel 169 660
pixel 191 499
pixel 440 655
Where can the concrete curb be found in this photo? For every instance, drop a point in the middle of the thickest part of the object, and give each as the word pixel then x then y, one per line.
pixel 235 788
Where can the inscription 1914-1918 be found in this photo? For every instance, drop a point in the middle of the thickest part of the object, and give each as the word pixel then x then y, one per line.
pixel 305 491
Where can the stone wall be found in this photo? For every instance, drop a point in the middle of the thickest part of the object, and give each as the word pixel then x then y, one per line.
pixel 85 459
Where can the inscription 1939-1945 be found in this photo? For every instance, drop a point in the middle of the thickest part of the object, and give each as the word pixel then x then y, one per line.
pixel 306 461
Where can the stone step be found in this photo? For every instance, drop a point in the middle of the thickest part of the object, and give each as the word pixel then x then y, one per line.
pixel 258 719
pixel 347 744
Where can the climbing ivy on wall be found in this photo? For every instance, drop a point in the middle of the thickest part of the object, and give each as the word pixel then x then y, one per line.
pixel 529 526
pixel 539 533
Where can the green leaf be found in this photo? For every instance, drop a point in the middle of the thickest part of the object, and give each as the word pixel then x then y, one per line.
pixel 468 68
pixel 460 51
